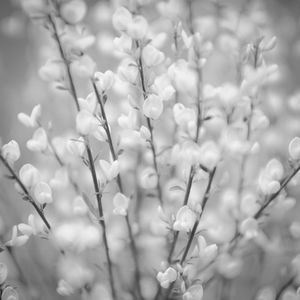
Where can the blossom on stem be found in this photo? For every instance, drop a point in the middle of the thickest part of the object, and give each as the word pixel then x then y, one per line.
pixel 121 203
pixel 167 277
pixel 11 151
pixel 185 219
pixel 39 141
pixel 33 119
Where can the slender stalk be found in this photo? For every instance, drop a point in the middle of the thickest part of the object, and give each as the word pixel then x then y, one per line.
pixel 287 284
pixel 119 182
pixel 101 217
pixel 27 194
pixel 89 153
pixel 149 125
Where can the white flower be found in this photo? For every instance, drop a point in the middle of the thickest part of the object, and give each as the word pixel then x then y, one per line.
pixel 162 87
pixel 228 94
pixel 39 141
pixel 229 266
pixel 249 228
pixel 145 133
pixel 266 293
pixel 32 228
pixel 207 253
pixel 121 19
pixel 53 70
pixel 123 43
pixel 167 277
pixel 33 119
pixel 105 81
pixel 86 123
pixel 183 115
pixel 185 219
pixel 194 292
pixel 294 148
pixel 121 203
pixel 11 151
pixel 249 204
pixel 3 273
pixel 100 134
pixel 269 178
pixel 43 193
pixel 209 154
pixel 76 235
pixel 130 120
pixel 153 107
pixel 29 175
pixel 109 170
pixel 73 11
pixel 89 103
pixel 17 241
pixel 84 67
pixel 76 147
pixel 151 56
pixel 138 28
pixel 148 178
pixel 128 71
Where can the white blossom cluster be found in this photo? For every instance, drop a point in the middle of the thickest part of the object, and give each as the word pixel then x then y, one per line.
pixel 165 175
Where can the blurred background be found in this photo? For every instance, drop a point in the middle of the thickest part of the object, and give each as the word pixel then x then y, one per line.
pixel 23 50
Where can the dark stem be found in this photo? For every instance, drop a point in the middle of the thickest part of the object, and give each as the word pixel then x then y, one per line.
pixel 25 191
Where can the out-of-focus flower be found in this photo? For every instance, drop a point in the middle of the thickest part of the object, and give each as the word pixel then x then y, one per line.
pixel 109 170
pixel 128 71
pixel 84 66
pixel 138 28
pixel 39 141
pixel 53 70
pixel 209 154
pixel 229 266
pixel 89 103
pixel 43 193
pixel 121 18
pixel 121 203
pixel 34 7
pixel 295 230
pixel 73 11
pixel 75 272
pixel 151 56
pixel 195 292
pixel 86 123
pixel 76 235
pixel 266 293
pixel 206 253
pixel 123 43
pixel 163 88
pixel 130 120
pixel 76 147
pixel 145 133
pixel 294 148
pixel 167 277
pixel 11 151
pixel 249 228
pixel 105 81
pixel 17 241
pixel 32 120
pixel 9 293
pixel 3 273
pixel 185 219
pixel 79 206
pixel 153 107
pixel 64 288
pixel 29 175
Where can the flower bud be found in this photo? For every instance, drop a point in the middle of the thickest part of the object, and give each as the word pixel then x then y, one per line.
pixel 109 170
pixel 76 147
pixel 294 148
pixel 43 193
pixel 84 67
pixel 105 81
pixel 121 203
pixel 73 11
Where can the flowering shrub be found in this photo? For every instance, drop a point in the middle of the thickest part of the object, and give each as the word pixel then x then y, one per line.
pixel 166 183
